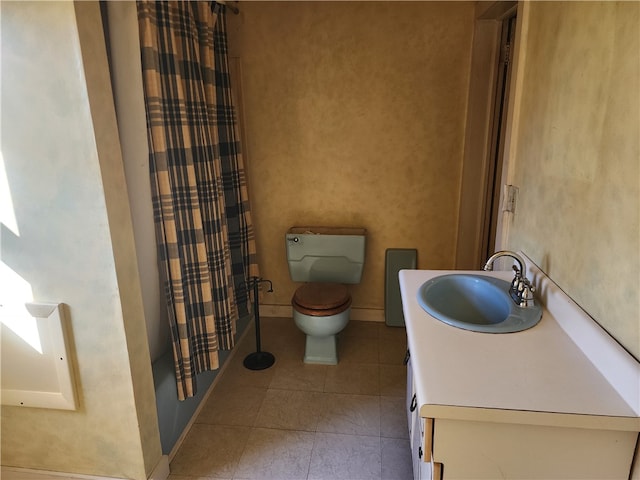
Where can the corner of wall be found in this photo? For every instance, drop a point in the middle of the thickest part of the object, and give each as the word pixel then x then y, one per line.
pixel 95 63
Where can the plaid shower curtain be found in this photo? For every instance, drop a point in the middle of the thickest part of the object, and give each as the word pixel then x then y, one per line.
pixel 206 245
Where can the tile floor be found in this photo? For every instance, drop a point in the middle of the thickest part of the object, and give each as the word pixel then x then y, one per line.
pixel 298 421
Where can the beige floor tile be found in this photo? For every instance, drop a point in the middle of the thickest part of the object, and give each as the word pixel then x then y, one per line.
pixel 283 339
pixel 350 414
pixel 296 375
pixel 237 374
pixel 288 331
pixel 247 342
pixel 356 349
pixel 353 378
pixel 232 404
pixel 396 459
pixel 290 410
pixel 275 329
pixel 310 421
pixel 348 457
pixel 210 451
pixel 393 380
pixel 278 325
pixel 287 349
pixel 276 455
pixel 393 333
pixel 393 417
pixel 191 477
pixel 361 329
pixel 392 350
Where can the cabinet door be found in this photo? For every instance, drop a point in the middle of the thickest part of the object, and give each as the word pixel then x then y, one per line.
pixel 416 448
pixel 410 392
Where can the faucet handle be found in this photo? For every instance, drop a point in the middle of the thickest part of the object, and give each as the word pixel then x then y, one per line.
pixel 527 298
pixel 516 283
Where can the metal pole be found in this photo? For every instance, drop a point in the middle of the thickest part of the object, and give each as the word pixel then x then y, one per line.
pixel 258 360
pixel 256 312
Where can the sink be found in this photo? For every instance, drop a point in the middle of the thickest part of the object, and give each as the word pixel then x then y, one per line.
pixel 478 303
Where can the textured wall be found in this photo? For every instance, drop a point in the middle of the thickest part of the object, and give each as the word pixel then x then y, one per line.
pixel 577 157
pixel 354 116
pixel 126 72
pixel 75 242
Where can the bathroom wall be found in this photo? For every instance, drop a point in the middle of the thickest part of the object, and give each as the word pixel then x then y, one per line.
pixel 74 242
pixel 126 77
pixel 577 156
pixel 354 115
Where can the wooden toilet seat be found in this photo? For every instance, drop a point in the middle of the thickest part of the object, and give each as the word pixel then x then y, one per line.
pixel 321 299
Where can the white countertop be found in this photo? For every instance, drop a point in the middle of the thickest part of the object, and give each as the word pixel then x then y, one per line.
pixel 537 376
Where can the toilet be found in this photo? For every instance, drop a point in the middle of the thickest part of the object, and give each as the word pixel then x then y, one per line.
pixel 326 259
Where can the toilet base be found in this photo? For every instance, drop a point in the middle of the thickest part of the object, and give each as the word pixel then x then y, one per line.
pixel 321 344
pixel 321 350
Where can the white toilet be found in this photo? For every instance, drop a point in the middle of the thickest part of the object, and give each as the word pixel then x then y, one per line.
pixel 326 258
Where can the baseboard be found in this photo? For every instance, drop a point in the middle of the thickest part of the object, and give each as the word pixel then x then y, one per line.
pixel 15 473
pixel 367 314
pixel 361 314
pixel 283 311
pixel 160 472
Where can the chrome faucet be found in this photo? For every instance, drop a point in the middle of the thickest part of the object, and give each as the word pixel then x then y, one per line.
pixel 506 253
pixel 521 290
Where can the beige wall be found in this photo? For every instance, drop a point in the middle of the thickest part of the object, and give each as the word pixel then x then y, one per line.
pixel 75 242
pixel 354 116
pixel 577 157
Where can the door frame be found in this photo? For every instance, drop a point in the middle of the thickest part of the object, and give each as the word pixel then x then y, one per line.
pixel 477 158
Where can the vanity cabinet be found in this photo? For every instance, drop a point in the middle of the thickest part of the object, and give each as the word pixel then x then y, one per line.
pixel 420 434
pixel 492 448
pixel 559 401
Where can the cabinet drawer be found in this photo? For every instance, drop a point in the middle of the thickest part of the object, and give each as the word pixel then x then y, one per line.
pixel 410 394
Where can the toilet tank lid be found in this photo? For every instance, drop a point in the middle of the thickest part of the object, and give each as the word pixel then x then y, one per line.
pixel 327 231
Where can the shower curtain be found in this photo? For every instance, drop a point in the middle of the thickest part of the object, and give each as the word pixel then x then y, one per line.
pixel 206 245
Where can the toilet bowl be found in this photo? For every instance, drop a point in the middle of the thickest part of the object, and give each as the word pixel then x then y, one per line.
pixel 325 258
pixel 321 311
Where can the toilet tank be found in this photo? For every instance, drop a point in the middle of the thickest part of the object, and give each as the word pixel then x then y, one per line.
pixel 326 254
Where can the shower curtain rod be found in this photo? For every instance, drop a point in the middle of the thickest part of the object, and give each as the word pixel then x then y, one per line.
pixel 231 7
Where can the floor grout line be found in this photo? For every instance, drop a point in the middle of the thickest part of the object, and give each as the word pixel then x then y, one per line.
pixel 283 379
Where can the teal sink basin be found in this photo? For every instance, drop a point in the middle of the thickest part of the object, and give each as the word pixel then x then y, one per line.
pixel 476 302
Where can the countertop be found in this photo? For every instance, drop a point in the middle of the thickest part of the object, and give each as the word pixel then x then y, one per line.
pixel 537 376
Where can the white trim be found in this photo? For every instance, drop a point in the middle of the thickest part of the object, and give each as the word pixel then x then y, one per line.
pixel 34 370
pixel 513 122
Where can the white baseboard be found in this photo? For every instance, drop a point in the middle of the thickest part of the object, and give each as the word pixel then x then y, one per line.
pixel 362 314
